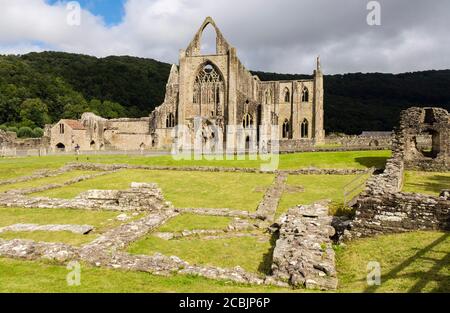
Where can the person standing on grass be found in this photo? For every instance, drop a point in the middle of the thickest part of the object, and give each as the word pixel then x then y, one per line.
pixel 77 149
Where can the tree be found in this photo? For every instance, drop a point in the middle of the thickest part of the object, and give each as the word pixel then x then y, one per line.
pixel 25 132
pixel 34 112
pixel 38 132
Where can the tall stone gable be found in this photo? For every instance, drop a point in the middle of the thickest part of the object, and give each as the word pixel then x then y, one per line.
pixel 217 90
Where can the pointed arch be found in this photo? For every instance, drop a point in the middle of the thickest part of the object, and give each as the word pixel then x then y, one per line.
pixel 209 87
pixel 305 94
pixel 304 129
pixel 287 95
pixel 170 120
pixel 268 97
pixel 247 121
pixel 208 40
pixel 286 129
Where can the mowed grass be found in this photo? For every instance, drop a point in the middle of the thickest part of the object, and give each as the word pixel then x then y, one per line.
pixel 27 276
pixel 60 237
pixel 13 167
pixel 250 253
pixel 316 188
pixel 183 189
pixel 426 182
pixel 59 179
pixel 101 220
pixel 192 221
pixel 410 262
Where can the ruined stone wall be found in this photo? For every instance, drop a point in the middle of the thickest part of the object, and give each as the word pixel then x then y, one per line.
pixel 360 141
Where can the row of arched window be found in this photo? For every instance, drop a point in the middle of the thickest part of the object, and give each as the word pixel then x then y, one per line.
pixel 286 95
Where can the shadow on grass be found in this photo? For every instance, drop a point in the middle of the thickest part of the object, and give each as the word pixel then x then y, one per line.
pixel 435 183
pixel 265 265
pixel 424 278
pixel 377 162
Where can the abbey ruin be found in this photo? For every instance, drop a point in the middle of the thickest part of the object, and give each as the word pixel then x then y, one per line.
pixel 213 98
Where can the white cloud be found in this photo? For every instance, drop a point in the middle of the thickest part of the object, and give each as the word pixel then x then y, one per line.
pixel 281 36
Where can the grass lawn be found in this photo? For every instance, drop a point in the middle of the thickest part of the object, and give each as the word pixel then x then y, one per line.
pixel 45 181
pixel 27 276
pixel 183 189
pixel 101 220
pixel 60 236
pixel 247 252
pixel 316 187
pixel 192 221
pixel 426 182
pixel 12 167
pixel 410 262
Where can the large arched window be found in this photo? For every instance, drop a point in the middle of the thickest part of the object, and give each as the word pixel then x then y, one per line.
pixel 286 129
pixel 305 94
pixel 247 121
pixel 287 95
pixel 304 129
pixel 170 120
pixel 208 88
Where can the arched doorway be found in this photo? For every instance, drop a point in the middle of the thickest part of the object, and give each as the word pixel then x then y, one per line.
pixel 61 146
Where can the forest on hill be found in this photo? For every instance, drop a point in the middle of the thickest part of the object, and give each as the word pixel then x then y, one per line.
pixel 40 88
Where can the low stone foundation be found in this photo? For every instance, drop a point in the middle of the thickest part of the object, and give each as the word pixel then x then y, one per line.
pixel 303 254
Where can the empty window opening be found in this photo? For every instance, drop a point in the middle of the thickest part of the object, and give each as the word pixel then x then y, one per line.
pixel 304 129
pixel 286 129
pixel 170 120
pixel 305 94
pixel 247 121
pixel 287 95
pixel 208 41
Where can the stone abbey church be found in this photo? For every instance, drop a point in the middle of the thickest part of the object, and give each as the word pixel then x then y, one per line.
pixel 206 93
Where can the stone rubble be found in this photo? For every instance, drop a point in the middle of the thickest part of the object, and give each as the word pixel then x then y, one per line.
pixel 32 250
pixel 303 254
pixel 269 204
pixel 76 229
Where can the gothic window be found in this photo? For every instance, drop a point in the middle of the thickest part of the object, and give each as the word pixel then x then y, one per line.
pixel 208 86
pixel 305 94
pixel 304 128
pixel 268 97
pixel 286 129
pixel 247 121
pixel 170 121
pixel 287 95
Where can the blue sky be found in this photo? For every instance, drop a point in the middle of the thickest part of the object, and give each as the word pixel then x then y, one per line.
pixel 112 11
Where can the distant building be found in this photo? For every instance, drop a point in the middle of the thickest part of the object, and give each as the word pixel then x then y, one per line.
pixel 93 132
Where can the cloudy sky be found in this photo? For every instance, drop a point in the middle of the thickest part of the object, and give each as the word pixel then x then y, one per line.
pixel 270 35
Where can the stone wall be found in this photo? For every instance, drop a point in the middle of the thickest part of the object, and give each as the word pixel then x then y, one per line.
pixel 303 254
pixel 401 212
pixel 382 207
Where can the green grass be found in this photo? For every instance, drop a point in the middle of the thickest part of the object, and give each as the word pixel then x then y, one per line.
pixel 12 167
pixel 316 187
pixel 426 182
pixel 410 262
pixel 247 252
pixel 27 276
pixel 60 236
pixel 101 220
pixel 45 181
pixel 191 221
pixel 183 189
